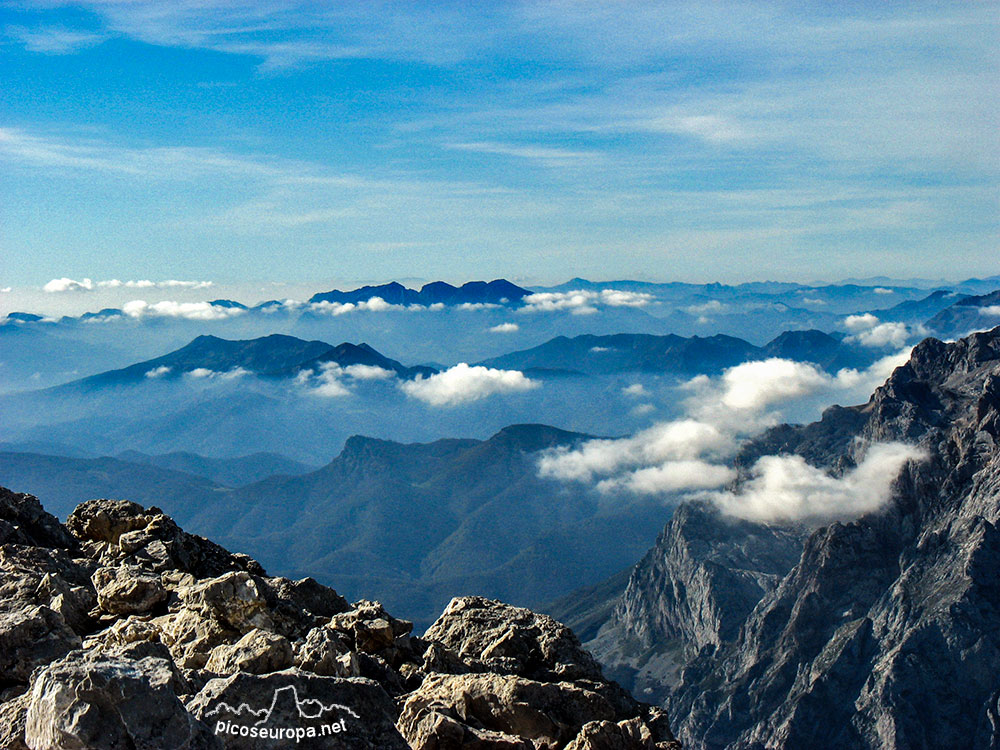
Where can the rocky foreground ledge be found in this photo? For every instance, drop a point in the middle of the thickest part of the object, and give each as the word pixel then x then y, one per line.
pixel 120 630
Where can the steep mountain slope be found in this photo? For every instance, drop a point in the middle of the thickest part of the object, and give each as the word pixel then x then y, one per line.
pixel 876 633
pixel 231 472
pixel 66 482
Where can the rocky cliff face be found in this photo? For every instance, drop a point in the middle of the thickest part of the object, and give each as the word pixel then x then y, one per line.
pixel 883 632
pixel 119 630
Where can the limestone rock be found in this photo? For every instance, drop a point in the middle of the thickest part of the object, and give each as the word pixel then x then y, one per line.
pixel 512 640
pixel 30 637
pixel 327 652
pixel 116 531
pixel 234 599
pixel 13 717
pixel 514 707
pixel 95 702
pixel 161 614
pixel 128 590
pixel 24 521
pixel 258 652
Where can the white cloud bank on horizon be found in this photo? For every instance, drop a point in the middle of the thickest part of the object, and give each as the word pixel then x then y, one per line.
pixel 170 309
pixel 64 284
pixel 691 454
pixel 463 384
pixel 583 302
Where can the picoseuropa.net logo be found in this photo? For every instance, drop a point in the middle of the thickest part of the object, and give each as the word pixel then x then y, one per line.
pixel 287 718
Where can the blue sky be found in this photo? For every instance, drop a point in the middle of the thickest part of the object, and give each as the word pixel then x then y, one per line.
pixel 303 142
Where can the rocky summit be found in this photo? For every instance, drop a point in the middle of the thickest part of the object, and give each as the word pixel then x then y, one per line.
pixel 880 632
pixel 120 630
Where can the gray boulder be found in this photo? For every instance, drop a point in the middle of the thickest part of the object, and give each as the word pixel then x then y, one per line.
pixel 104 703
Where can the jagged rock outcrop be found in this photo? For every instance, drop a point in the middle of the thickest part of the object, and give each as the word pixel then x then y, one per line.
pixel 120 630
pixel 882 632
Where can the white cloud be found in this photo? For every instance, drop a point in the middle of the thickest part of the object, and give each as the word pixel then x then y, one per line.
pixel 582 302
pixel 868 331
pixel 547 155
pixel 462 384
pixel 671 476
pixel 54 40
pixel 5 290
pixel 756 385
pixel 68 285
pixel 188 310
pixel 600 349
pixel 157 372
pixel 636 389
pixel 706 308
pixel 883 290
pixel 374 304
pixel 713 129
pixel 329 381
pixel 203 373
pixel 990 310
pixel 681 440
pixel 786 488
pixel 642 410
pixel 617 298
pixel 505 328
pixel 369 372
pixel 858 323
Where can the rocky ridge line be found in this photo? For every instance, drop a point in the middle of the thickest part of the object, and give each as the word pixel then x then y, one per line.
pixel 120 630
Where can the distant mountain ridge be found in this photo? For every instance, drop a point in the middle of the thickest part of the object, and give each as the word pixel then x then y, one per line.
pixel 276 356
pixel 636 352
pixel 496 292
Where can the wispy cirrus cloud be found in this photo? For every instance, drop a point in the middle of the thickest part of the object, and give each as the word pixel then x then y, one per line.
pixel 545 154
pixel 54 40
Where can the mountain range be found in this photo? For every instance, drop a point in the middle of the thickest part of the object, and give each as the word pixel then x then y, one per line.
pixel 671 354
pixel 411 523
pixel 496 292
pixel 275 356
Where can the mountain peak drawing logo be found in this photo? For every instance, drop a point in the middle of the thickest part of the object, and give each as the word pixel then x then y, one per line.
pixel 285 702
